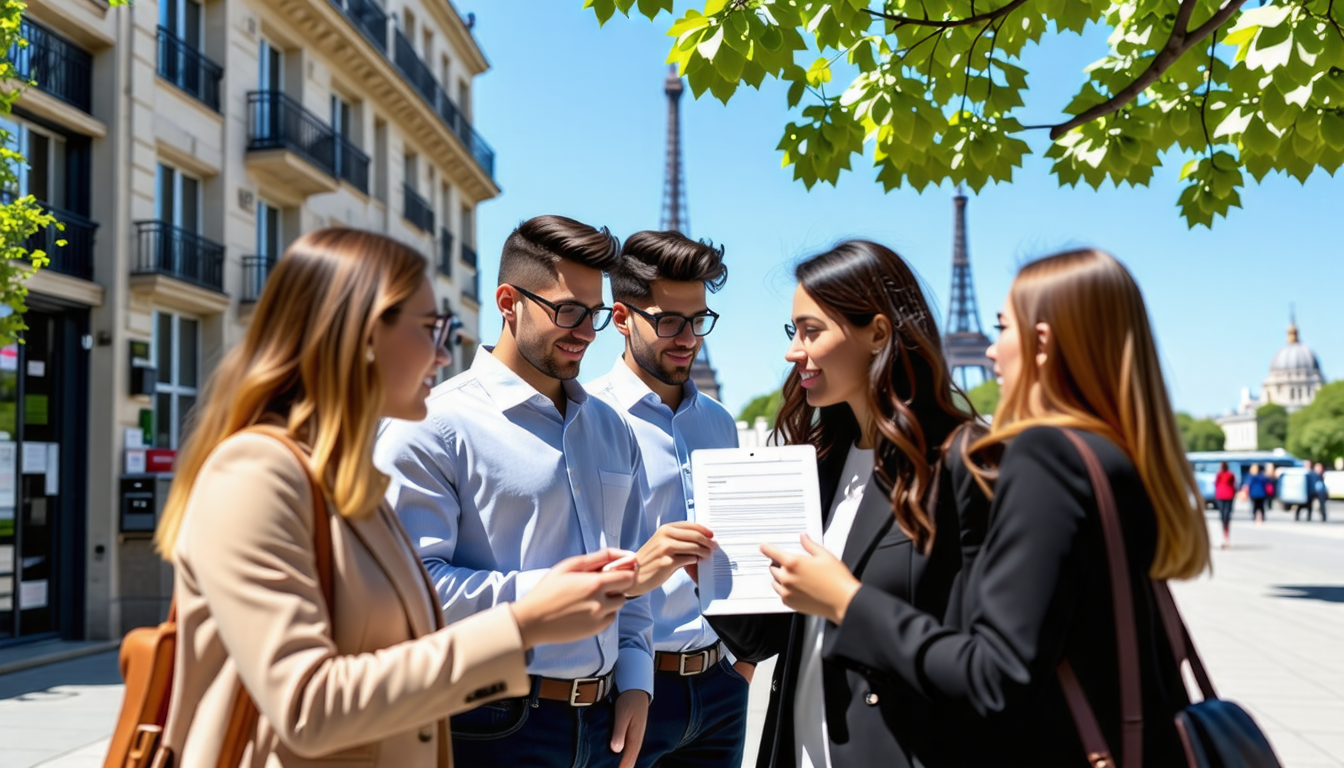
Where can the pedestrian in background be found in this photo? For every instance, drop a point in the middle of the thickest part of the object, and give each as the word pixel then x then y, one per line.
pixel 1075 352
pixel 870 390
pixel 1317 490
pixel 516 468
pixel 699 711
pixel 1271 487
pixel 345 334
pixel 1253 487
pixel 1224 492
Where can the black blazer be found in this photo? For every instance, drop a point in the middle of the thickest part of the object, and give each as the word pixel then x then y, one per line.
pixel 866 726
pixel 1037 592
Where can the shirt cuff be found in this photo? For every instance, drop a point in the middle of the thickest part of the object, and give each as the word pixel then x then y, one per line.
pixel 526 580
pixel 634 671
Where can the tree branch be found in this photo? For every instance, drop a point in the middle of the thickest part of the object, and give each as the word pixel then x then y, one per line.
pixel 948 23
pixel 1180 42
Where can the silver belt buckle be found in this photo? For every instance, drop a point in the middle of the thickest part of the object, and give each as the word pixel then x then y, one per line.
pixel 704 663
pixel 574 691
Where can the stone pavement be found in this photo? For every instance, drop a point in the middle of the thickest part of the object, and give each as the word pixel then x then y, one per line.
pixel 1269 623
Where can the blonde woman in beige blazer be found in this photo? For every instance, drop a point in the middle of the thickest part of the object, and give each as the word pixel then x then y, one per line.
pixel 345 334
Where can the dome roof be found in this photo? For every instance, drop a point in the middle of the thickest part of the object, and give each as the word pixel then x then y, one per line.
pixel 1294 356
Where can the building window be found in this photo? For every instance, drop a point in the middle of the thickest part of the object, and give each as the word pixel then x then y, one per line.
pixel 44 174
pixel 381 182
pixel 179 199
pixel 410 167
pixel 271 68
pixel 183 18
pixel 177 350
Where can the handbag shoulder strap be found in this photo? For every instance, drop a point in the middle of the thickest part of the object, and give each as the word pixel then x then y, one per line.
pixel 1126 636
pixel 243 715
pixel 1182 646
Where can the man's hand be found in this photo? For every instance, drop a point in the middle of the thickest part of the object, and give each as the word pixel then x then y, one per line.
pixel 632 715
pixel 672 546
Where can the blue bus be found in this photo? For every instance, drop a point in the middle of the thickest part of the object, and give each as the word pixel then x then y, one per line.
pixel 1206 463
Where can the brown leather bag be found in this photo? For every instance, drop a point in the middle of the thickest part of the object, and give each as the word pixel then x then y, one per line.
pixel 147 659
pixel 1215 733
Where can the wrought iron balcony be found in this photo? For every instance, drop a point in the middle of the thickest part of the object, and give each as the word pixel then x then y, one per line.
pixel 255 271
pixel 352 165
pixel 368 18
pixel 417 210
pixel 165 249
pixel 422 79
pixel 75 258
pixel 415 70
pixel 54 65
pixel 189 69
pixel 445 253
pixel 469 255
pixel 277 121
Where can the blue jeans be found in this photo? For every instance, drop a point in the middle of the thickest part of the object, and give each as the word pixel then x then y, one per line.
pixel 535 733
pixel 699 720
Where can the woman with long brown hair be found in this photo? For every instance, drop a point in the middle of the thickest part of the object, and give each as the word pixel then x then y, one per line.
pixel 1075 352
pixel 357 668
pixel 870 390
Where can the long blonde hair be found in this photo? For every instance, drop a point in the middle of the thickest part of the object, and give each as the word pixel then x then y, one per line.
pixel 304 362
pixel 1102 375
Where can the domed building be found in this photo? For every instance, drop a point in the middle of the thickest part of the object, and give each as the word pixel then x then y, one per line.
pixel 1293 381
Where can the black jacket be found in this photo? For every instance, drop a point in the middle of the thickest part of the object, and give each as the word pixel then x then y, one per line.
pixel 865 730
pixel 1037 592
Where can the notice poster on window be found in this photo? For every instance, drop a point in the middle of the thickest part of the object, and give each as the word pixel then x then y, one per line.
pixel 32 594
pixel 8 475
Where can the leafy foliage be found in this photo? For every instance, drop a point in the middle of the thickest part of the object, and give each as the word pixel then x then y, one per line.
pixel 1200 434
pixel 935 85
pixel 20 217
pixel 766 406
pixel 1316 432
pixel 985 397
pixel 1271 427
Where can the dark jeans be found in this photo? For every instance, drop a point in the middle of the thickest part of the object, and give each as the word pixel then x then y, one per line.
pixel 1225 512
pixel 535 733
pixel 1318 500
pixel 1258 508
pixel 699 720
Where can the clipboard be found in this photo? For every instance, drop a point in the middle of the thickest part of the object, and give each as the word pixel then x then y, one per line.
pixel 747 497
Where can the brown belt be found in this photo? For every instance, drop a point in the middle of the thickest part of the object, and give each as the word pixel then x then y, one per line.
pixel 582 692
pixel 688 663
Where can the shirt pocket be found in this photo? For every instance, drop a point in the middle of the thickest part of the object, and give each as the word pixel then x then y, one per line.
pixel 615 496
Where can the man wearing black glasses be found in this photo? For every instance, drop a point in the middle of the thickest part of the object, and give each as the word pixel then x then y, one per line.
pixel 699 711
pixel 515 469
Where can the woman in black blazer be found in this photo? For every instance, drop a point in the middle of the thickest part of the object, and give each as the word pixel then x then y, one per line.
pixel 871 391
pixel 1075 351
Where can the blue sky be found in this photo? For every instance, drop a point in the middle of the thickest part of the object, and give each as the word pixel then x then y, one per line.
pixel 577 116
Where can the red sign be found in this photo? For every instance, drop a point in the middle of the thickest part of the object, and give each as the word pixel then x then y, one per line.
pixel 160 460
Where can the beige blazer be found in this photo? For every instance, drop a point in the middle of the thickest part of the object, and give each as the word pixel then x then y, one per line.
pixel 376 689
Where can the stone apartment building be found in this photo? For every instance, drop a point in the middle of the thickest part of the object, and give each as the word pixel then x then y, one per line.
pixel 184 144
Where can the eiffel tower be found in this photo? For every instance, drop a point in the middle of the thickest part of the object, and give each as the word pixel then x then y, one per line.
pixel 676 215
pixel 965 343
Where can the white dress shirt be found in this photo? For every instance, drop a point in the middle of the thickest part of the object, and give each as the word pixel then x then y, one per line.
pixel 495 487
pixel 666 440
pixel 813 743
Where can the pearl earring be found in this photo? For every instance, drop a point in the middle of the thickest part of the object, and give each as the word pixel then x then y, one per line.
pixel 369 355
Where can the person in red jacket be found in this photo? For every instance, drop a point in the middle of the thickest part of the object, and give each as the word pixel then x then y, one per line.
pixel 1224 491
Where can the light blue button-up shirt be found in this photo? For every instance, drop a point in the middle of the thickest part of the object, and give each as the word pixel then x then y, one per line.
pixel 494 486
pixel 666 440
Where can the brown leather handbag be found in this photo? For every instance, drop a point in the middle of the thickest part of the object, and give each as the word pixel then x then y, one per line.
pixel 1215 733
pixel 147 660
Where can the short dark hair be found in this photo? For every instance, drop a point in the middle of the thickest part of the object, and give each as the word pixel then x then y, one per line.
pixel 650 256
pixel 538 244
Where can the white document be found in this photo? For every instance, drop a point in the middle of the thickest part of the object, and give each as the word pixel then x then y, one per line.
pixel 748 497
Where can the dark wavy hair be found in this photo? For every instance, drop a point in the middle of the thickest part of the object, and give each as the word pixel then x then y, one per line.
pixel 649 256
pixel 918 408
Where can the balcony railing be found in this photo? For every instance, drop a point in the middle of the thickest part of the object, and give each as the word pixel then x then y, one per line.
pixel 255 271
pixel 352 165
pixel 417 210
pixel 75 258
pixel 278 122
pixel 422 79
pixel 368 18
pixel 468 255
pixel 445 253
pixel 165 249
pixel 54 65
pixel 471 289
pixel 189 69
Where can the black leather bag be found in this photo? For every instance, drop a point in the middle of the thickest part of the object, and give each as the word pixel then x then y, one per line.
pixel 1215 733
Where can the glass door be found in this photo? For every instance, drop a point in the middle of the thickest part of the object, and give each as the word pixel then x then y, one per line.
pixel 9 541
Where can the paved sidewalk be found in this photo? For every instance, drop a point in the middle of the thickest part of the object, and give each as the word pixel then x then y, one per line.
pixel 1269 623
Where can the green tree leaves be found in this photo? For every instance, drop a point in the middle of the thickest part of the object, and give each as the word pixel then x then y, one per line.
pixel 762 406
pixel 1271 427
pixel 1316 432
pixel 1200 434
pixel 934 86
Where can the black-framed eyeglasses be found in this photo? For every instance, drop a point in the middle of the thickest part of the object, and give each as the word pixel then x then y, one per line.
pixel 669 325
pixel 570 314
pixel 443 324
pixel 790 330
